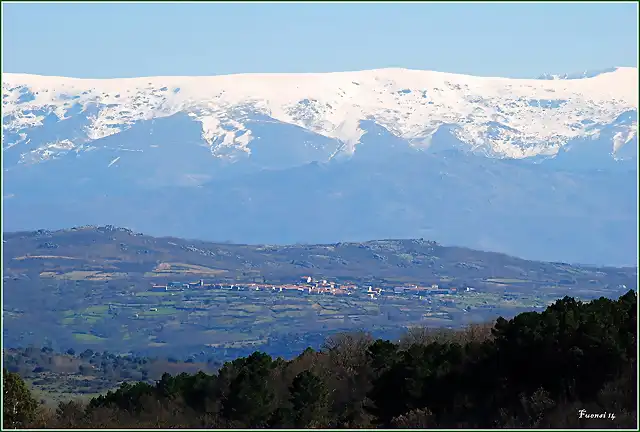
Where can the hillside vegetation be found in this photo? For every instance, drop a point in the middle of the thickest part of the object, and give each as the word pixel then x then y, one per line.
pixel 92 288
pixel 573 365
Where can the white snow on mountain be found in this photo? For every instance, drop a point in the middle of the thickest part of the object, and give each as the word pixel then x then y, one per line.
pixel 511 118
pixel 576 75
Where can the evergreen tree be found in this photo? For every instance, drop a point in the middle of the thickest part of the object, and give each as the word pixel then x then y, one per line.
pixel 309 401
pixel 250 398
pixel 18 406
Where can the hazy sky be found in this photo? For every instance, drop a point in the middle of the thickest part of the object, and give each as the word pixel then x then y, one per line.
pixel 124 40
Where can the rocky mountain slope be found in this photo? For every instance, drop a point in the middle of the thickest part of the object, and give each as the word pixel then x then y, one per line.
pixel 504 117
pixel 542 168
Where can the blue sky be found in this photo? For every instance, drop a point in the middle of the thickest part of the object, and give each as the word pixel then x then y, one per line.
pixel 124 40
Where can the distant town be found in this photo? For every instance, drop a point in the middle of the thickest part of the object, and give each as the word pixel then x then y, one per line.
pixel 310 286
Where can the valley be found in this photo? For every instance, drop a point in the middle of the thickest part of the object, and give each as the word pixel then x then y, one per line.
pixel 109 288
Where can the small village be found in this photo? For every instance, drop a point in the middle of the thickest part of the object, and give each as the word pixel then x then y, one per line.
pixel 310 286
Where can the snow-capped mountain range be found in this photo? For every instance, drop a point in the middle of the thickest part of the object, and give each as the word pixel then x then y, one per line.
pixel 511 160
pixel 511 118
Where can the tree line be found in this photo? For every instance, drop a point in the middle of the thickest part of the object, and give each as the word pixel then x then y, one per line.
pixel 573 365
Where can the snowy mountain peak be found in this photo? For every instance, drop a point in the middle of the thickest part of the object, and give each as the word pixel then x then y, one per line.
pixel 513 118
pixel 413 154
pixel 590 73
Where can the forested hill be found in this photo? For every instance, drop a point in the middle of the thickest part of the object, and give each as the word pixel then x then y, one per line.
pixel 572 366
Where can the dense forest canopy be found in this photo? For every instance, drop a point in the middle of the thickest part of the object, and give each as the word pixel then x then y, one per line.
pixel 573 365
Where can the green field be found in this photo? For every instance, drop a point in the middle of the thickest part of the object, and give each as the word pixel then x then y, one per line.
pixel 97 310
pixel 87 337
pixel 161 311
pixel 506 280
pixel 153 294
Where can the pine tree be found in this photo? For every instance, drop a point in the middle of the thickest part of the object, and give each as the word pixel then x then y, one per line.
pixel 18 406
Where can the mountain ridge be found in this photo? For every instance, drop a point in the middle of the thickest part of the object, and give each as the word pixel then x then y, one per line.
pixel 588 73
pixel 330 157
pixel 513 118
